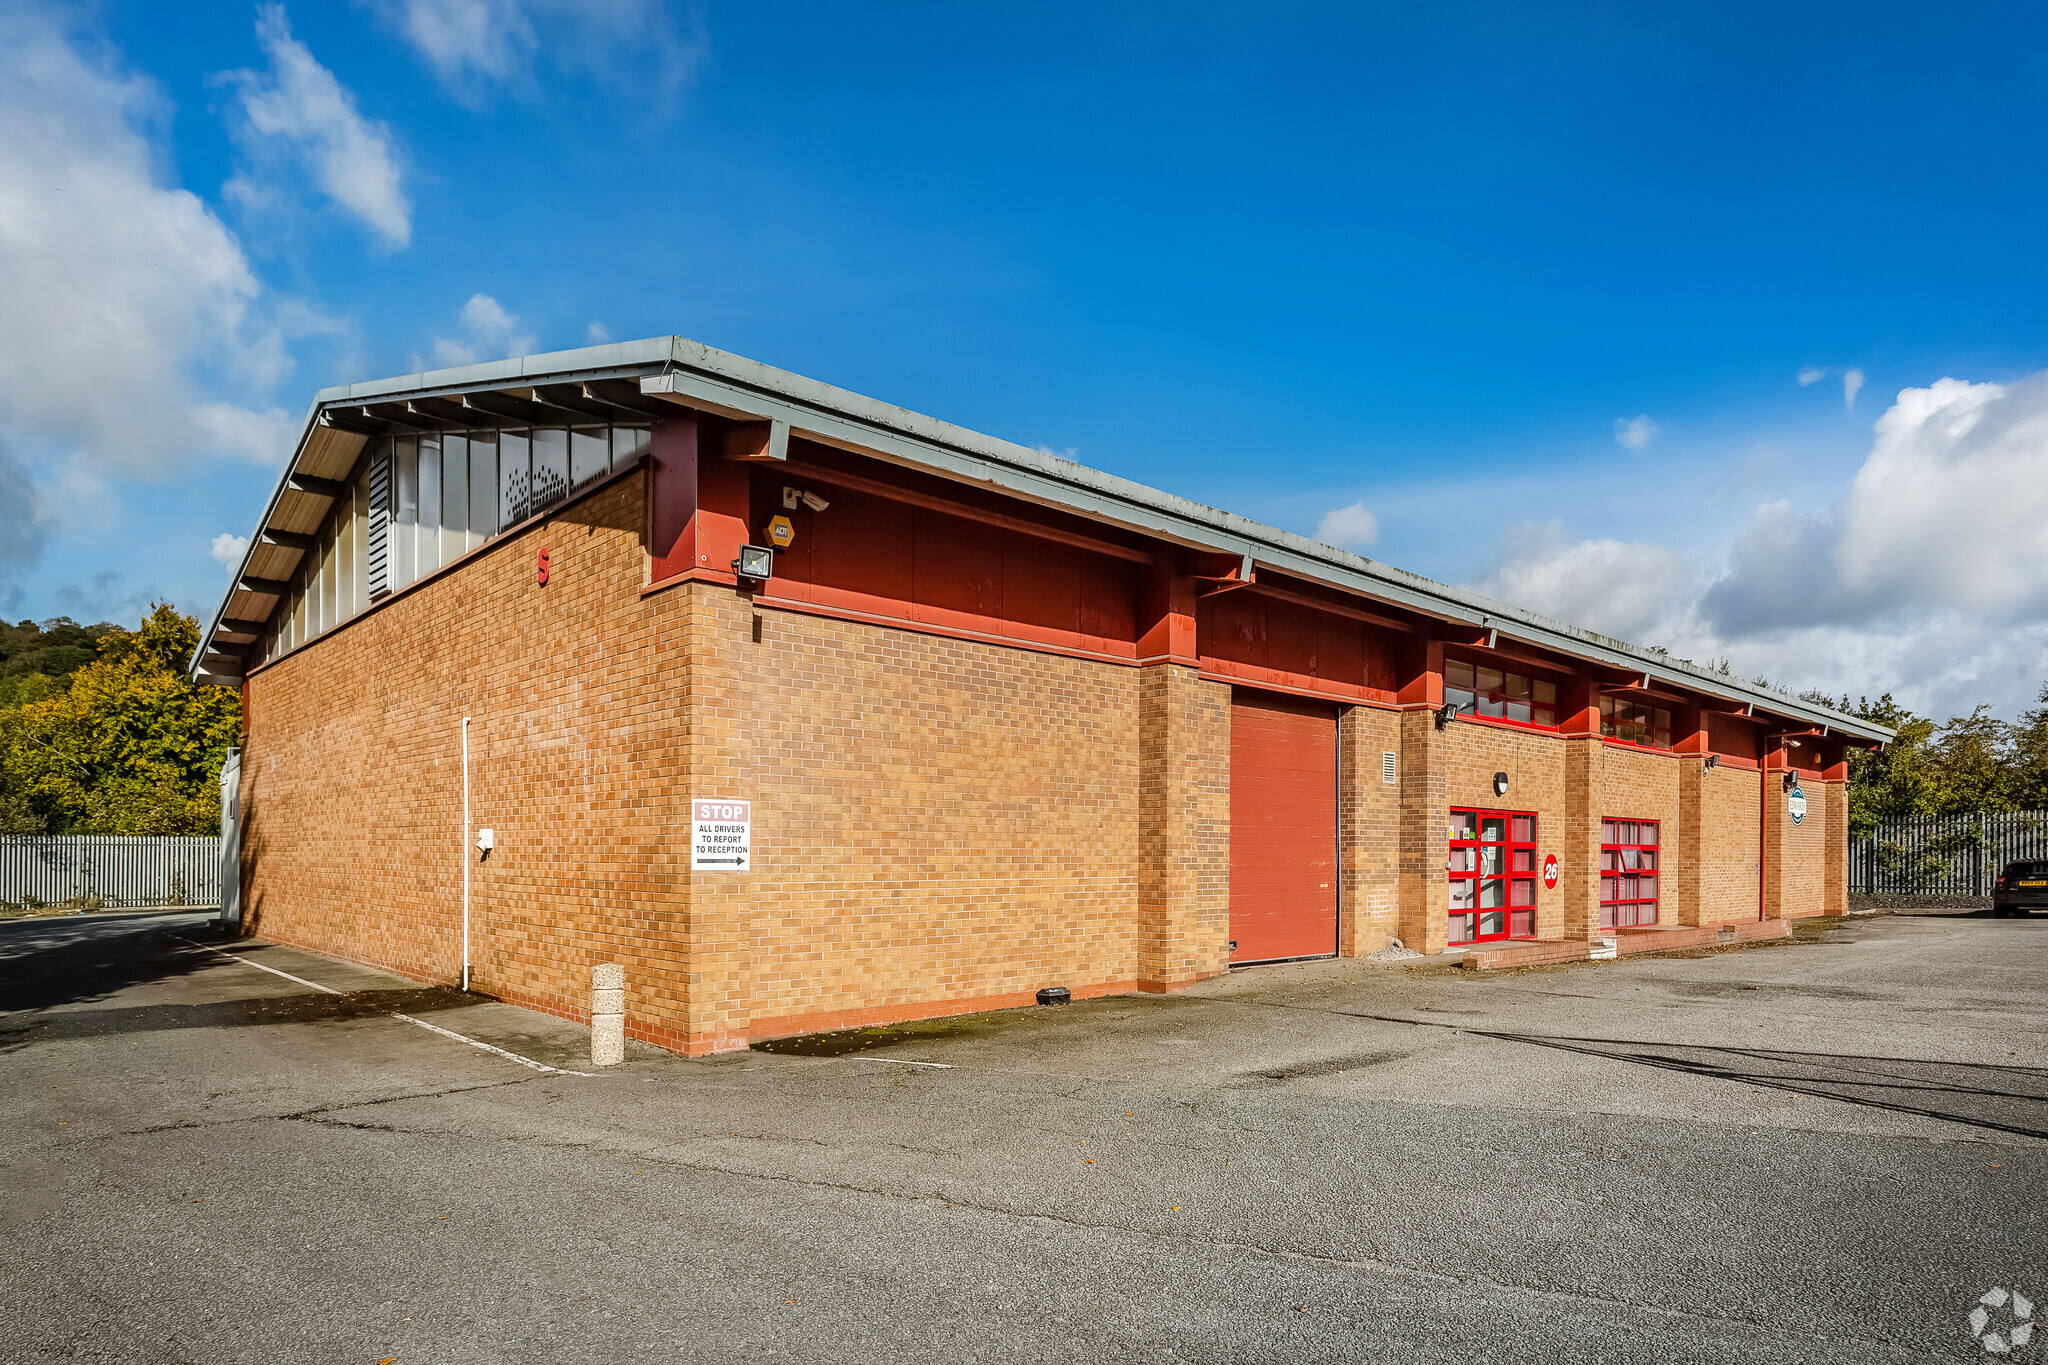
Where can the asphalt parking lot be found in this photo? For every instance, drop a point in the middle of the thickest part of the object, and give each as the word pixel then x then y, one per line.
pixel 1827 1150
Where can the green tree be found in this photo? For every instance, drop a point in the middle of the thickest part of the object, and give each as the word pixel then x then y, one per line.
pixel 1972 764
pixel 1896 780
pixel 130 746
pixel 2028 762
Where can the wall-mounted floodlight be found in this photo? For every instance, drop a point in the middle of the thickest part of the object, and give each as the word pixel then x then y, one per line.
pixel 1444 713
pixel 1713 761
pixel 1791 781
pixel 756 562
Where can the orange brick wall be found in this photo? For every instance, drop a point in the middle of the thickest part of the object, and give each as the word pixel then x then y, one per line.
pixel 934 819
pixel 1798 853
pixel 1638 784
pixel 1728 846
pixel 1470 753
pixel 938 824
pixel 352 775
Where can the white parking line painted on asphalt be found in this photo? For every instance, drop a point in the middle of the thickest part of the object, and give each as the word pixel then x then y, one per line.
pixel 905 1061
pixel 509 1056
pixel 431 1028
pixel 236 957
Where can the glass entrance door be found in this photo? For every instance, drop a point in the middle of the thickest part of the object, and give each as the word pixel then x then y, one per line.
pixel 1492 868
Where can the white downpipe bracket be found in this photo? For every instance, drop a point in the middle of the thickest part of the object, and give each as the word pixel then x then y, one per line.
pixel 465 853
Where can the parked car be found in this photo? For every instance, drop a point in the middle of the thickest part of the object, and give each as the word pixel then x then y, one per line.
pixel 2020 889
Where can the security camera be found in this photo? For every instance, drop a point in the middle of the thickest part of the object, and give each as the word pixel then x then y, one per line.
pixel 814 502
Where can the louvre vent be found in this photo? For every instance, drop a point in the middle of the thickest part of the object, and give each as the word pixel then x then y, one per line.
pixel 1387 771
pixel 380 525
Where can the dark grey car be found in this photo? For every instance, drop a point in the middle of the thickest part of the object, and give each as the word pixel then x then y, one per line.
pixel 2021 889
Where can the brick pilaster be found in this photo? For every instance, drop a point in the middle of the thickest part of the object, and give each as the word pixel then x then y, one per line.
pixel 1183 827
pixel 1424 887
pixel 1369 829
pixel 1579 877
pixel 1684 857
pixel 714 697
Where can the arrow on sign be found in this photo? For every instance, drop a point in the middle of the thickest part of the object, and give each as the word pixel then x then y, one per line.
pixel 736 862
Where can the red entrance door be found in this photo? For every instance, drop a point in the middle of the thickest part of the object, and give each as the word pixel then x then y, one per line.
pixel 1283 828
pixel 1493 875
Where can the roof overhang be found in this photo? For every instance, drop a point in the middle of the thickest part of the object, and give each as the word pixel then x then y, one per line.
pixel 681 372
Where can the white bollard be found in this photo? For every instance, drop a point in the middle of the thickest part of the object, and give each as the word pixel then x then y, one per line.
pixel 607 1014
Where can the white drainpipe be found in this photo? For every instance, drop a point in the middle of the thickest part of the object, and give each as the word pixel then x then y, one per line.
pixel 465 853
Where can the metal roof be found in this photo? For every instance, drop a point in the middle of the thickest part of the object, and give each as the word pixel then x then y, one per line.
pixel 679 370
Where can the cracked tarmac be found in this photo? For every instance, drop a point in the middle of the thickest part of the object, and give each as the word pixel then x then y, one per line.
pixel 1821 1151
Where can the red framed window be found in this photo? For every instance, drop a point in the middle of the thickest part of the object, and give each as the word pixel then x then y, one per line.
pixel 1635 722
pixel 1480 691
pixel 1493 875
pixel 1628 873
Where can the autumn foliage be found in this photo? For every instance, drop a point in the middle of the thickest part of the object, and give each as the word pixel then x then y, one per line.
pixel 123 744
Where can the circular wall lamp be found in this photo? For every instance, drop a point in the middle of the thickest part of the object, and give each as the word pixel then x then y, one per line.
pixel 1500 784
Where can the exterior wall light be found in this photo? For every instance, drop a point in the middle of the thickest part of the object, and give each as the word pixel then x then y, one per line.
pixel 756 562
pixel 1444 713
pixel 1500 784
pixel 1713 761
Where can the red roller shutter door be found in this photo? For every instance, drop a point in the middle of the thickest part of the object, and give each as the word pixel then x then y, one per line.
pixel 1283 827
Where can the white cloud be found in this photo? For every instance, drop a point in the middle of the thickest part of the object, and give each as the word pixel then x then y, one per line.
pixel 228 549
pixel 488 333
pixel 298 114
pixel 479 47
pixel 129 315
pixel 597 334
pixel 1852 381
pixel 1635 432
pixel 1349 528
pixel 1071 453
pixel 1626 589
pixel 1924 579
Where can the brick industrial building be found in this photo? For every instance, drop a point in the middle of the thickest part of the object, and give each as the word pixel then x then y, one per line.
pixel 999 722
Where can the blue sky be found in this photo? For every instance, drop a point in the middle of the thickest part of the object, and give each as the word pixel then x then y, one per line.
pixel 1517 297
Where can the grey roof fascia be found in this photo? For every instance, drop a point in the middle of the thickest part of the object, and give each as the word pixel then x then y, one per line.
pixel 613 360
pixel 256 538
pixel 850 419
pixel 855 421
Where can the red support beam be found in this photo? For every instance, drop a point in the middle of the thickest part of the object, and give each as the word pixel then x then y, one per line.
pixel 698 517
pixel 1166 617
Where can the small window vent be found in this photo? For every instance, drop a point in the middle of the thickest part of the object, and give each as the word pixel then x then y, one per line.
pixel 1387 770
pixel 380 525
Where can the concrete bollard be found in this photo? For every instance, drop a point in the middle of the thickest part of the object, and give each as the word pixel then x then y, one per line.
pixel 607 1014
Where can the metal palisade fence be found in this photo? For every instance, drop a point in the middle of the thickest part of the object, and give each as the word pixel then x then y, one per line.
pixel 1945 855
pixel 108 870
